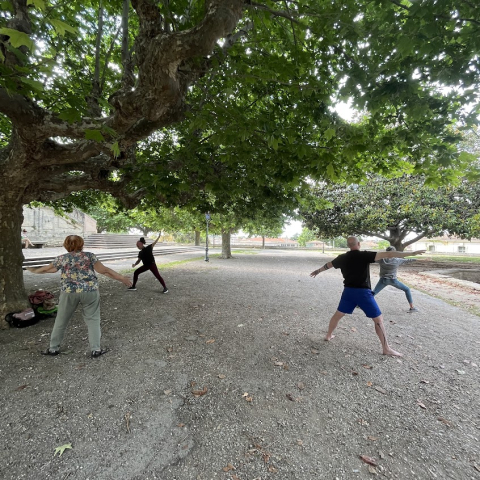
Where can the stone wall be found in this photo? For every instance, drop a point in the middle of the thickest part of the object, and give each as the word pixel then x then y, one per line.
pixel 43 225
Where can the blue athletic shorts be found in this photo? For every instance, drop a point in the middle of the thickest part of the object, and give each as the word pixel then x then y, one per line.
pixel 361 297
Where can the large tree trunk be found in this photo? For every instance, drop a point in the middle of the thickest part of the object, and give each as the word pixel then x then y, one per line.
pixel 226 249
pixel 197 238
pixel 13 297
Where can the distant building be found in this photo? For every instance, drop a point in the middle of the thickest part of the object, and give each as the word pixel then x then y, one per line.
pixel 43 225
pixel 447 245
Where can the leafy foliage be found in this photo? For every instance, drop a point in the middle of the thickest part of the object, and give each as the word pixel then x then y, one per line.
pixel 393 209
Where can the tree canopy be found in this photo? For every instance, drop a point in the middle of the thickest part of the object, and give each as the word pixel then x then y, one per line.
pixel 171 101
pixel 400 210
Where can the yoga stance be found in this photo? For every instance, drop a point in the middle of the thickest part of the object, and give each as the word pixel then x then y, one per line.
pixel 388 276
pixel 79 286
pixel 145 255
pixel 355 268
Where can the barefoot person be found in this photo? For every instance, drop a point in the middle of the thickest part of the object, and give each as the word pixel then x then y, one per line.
pixel 388 276
pixel 355 267
pixel 145 255
pixel 79 286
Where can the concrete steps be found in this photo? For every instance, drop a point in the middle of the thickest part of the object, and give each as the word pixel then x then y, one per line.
pixel 120 255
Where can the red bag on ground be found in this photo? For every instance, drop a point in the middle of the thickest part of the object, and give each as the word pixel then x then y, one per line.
pixel 40 297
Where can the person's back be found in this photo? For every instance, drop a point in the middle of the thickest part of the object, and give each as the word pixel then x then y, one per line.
pixel 355 268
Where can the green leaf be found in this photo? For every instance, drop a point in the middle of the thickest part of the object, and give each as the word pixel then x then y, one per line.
pixel 116 149
pixel 71 115
pixel 95 135
pixel 61 27
pixel 329 133
pixel 62 448
pixel 18 39
pixel 34 84
pixel 39 4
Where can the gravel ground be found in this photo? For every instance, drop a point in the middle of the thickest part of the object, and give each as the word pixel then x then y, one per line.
pixel 228 377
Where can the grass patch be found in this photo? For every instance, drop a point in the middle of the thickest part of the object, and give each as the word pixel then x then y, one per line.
pixel 452 259
pixel 166 266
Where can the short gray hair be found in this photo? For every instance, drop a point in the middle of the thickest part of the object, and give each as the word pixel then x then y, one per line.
pixel 391 249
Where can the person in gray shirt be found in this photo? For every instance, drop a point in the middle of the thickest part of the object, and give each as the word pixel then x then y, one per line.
pixel 388 276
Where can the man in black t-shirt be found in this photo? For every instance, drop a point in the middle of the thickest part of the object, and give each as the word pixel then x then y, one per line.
pixel 355 268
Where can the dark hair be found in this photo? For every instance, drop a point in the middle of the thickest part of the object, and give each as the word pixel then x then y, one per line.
pixel 142 240
pixel 391 248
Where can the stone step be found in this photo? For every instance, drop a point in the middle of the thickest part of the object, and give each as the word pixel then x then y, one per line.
pixel 103 257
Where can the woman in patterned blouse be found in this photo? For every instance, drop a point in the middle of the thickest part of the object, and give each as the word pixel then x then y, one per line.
pixel 79 286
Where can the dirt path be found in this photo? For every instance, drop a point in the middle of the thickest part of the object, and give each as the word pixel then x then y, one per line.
pixel 228 377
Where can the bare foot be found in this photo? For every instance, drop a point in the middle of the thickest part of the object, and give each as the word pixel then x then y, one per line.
pixel 392 353
pixel 329 337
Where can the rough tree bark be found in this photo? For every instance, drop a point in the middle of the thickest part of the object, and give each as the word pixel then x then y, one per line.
pixel 226 245
pixel 35 166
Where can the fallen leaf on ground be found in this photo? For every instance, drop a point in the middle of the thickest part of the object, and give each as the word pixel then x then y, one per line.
pixel 180 425
pixel 290 397
pixel 61 449
pixel 369 384
pixel 369 460
pixel 314 351
pixel 381 390
pixel 222 376
pixel 367 366
pixel 372 470
pixel 420 404
pixel 272 469
pixel 199 393
pixel 278 364
pixel 373 439
pixel 445 421
pixel 228 468
pixel 167 392
pixel 212 340
pixel 300 385
pixel 21 387
pixel 354 373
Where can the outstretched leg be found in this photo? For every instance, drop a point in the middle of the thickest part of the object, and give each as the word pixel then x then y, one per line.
pixel 154 270
pixel 137 272
pixel 379 286
pixel 382 335
pixel 403 287
pixel 337 316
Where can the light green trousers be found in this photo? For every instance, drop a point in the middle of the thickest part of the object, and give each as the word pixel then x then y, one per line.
pixel 67 304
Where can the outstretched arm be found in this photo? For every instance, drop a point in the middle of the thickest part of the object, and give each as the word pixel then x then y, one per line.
pixel 396 254
pixel 45 269
pixel 158 238
pixel 321 269
pixel 101 268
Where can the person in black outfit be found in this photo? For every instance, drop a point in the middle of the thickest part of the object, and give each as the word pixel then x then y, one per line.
pixel 355 268
pixel 146 256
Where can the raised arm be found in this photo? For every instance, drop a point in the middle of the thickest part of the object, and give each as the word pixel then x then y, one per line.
pixel 395 254
pixel 158 238
pixel 45 269
pixel 101 268
pixel 321 269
